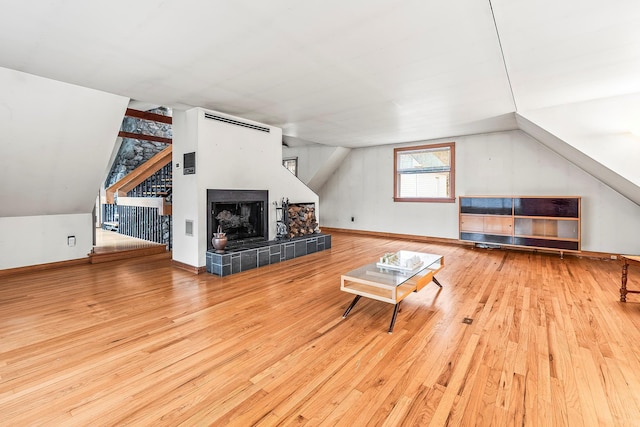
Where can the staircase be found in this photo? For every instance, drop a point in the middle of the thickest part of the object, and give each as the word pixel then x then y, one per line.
pixel 151 180
pixel 139 204
pixel 157 185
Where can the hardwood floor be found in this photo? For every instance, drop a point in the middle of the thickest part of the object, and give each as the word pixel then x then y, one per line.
pixel 111 241
pixel 142 343
pixel 112 246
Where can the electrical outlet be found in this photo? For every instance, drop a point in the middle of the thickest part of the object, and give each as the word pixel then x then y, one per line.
pixel 353 219
pixel 71 241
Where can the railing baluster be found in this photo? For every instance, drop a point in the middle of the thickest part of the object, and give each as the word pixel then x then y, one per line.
pixel 145 222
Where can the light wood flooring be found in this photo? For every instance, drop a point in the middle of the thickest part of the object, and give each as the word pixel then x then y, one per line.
pixel 112 246
pixel 142 343
pixel 111 241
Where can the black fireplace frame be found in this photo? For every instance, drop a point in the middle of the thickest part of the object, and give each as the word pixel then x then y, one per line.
pixel 242 196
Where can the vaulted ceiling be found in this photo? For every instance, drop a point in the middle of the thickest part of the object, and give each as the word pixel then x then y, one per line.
pixel 360 72
pixel 345 73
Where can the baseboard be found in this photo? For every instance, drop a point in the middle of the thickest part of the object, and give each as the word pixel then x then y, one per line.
pixel 41 267
pixel 411 237
pixel 428 239
pixel 187 267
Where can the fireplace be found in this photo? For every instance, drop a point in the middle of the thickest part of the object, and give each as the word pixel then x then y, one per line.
pixel 241 214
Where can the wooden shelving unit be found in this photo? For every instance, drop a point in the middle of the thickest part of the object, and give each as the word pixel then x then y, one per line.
pixel 524 221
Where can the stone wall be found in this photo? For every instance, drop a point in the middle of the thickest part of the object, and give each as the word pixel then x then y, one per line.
pixel 134 152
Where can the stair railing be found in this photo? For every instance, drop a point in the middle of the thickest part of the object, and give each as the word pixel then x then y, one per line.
pixel 139 175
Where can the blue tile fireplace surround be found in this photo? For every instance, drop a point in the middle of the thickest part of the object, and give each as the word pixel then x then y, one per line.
pixel 260 254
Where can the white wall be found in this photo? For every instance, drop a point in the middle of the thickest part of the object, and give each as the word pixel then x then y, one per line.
pixel 316 162
pixel 185 187
pixel 32 240
pixel 57 139
pixel 310 158
pixel 227 157
pixel 510 163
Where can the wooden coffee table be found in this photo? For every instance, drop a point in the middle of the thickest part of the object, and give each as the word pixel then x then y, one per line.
pixel 391 285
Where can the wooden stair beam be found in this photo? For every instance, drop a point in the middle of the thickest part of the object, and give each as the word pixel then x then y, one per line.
pixel 139 174
pixel 145 115
pixel 145 137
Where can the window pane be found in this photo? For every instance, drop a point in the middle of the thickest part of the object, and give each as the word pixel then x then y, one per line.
pixel 424 185
pixel 292 165
pixel 428 160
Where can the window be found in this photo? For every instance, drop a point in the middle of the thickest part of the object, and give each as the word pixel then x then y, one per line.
pixel 425 173
pixel 291 164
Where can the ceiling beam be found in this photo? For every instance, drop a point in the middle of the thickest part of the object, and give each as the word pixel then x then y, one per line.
pixel 148 116
pixel 144 137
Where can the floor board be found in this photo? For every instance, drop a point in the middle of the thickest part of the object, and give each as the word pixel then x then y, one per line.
pixel 111 241
pixel 139 342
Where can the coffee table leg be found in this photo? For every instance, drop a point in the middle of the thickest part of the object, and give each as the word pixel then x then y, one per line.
pixel 393 318
pixel 436 281
pixel 353 303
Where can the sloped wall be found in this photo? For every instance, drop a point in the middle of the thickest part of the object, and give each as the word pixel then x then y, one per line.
pixel 316 162
pixel 586 134
pixel 56 144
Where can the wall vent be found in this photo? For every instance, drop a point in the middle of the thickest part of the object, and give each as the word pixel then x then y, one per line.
pixel 236 122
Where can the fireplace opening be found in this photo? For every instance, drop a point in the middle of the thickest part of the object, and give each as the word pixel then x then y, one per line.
pixel 240 220
pixel 241 214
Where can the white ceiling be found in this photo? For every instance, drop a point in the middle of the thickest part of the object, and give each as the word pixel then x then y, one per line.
pixel 346 73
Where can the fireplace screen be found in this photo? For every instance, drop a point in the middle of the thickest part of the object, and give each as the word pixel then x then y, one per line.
pixel 241 220
pixel 241 214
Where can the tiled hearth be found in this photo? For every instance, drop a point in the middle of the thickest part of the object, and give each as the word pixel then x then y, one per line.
pixel 258 255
